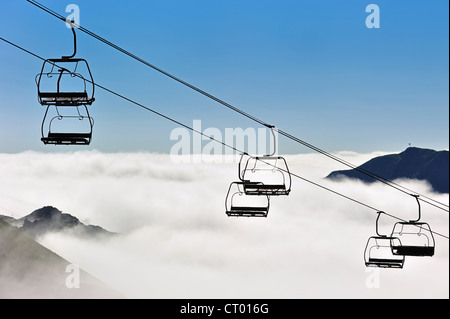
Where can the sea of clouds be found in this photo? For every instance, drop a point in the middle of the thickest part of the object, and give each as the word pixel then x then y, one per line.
pixel 175 240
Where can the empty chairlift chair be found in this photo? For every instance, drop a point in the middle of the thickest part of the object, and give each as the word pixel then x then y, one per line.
pixel 67 129
pixel 266 175
pixel 239 204
pixel 416 238
pixel 67 83
pixel 378 252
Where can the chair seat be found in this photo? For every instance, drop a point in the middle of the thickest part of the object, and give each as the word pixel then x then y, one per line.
pixel 257 209
pixel 264 186
pixel 417 251
pixel 68 138
pixel 262 189
pixel 63 94
pixel 248 211
pixel 65 98
pixel 385 263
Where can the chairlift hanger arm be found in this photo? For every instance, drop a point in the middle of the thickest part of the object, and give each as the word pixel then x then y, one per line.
pixel 420 213
pixel 272 128
pixel 74 42
pixel 377 226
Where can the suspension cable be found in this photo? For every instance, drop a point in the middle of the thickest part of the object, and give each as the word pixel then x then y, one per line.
pixel 245 114
pixel 214 139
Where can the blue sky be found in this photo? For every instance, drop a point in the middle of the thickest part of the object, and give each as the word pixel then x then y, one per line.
pixel 312 68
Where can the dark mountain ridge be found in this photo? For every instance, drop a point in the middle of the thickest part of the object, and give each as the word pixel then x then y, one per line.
pixel 413 163
pixel 50 219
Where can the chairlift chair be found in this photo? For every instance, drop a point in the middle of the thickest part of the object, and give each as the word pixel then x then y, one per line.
pixel 50 83
pixel 266 175
pixel 239 204
pixel 378 252
pixel 82 135
pixel 416 238
pixel 58 73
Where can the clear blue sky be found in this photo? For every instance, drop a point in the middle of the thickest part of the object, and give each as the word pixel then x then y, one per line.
pixel 312 68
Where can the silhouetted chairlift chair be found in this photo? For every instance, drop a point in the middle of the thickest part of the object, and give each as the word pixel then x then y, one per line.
pixel 79 137
pixel 50 82
pixel 378 252
pixel 239 204
pixel 266 175
pixel 51 93
pixel 416 237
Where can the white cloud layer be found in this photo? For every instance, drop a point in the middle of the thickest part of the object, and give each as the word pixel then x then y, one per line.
pixel 177 242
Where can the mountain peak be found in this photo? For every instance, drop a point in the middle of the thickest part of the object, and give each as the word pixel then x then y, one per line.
pixel 50 219
pixel 44 213
pixel 416 150
pixel 413 163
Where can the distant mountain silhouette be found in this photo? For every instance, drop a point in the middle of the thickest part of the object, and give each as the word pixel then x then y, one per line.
pixel 414 163
pixel 50 219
